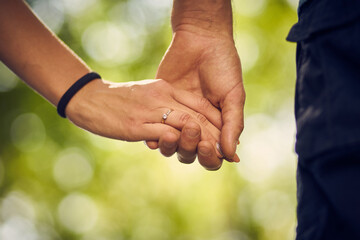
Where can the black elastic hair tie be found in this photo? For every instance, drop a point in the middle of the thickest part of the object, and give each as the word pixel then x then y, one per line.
pixel 65 99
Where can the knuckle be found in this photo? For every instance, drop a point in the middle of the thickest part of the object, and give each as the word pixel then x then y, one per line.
pixel 241 126
pixel 184 118
pixel 243 96
pixel 204 104
pixel 202 119
pixel 187 149
pixel 134 88
pixel 206 135
pixel 174 131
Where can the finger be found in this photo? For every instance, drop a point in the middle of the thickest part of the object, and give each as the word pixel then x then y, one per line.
pixel 189 139
pixel 153 131
pixel 233 120
pixel 152 144
pixel 168 144
pixel 200 105
pixel 178 119
pixel 207 156
pixel 236 158
pixel 209 133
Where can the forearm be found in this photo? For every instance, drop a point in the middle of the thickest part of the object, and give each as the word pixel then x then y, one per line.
pixel 35 54
pixel 210 17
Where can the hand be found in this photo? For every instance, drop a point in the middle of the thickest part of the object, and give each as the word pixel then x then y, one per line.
pixel 133 111
pixel 208 66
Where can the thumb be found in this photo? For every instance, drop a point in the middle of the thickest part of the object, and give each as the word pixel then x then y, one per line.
pixel 232 110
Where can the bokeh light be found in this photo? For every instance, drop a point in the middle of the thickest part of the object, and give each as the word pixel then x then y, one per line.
pixel 28 132
pixel 17 204
pixel 110 44
pixel 18 228
pixel 273 210
pixel 78 212
pixel 72 169
pixel 248 50
pixel 249 8
pixel 274 134
pixel 77 7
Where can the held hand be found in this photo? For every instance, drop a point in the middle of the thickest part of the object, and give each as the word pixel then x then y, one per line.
pixel 133 111
pixel 209 66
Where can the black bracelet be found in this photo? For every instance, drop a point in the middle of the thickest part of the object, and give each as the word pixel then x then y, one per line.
pixel 64 100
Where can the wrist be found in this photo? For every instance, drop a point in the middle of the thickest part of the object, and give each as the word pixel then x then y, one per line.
pixel 204 17
pixel 83 102
pixel 99 108
pixel 75 87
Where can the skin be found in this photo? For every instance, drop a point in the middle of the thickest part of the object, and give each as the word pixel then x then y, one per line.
pixel 203 43
pixel 125 111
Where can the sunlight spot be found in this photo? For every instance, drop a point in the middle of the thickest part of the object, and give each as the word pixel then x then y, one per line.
pixel 248 50
pixel 143 14
pixel 78 6
pixel 110 44
pixel 77 212
pixel 18 228
pixel 273 210
pixel 249 8
pixel 72 169
pixel 266 144
pixel 17 204
pixel 28 132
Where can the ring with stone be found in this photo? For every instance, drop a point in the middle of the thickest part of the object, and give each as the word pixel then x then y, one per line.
pixel 166 115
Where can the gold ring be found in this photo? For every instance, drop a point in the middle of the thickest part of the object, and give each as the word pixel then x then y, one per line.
pixel 166 115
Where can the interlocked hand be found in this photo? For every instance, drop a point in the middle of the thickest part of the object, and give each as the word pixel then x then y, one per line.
pixel 209 67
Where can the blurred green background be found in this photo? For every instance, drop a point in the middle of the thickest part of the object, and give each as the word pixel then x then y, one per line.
pixel 60 182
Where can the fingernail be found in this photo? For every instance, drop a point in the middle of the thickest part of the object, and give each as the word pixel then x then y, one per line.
pixel 204 151
pixel 219 149
pixel 191 132
pixel 238 142
pixel 169 144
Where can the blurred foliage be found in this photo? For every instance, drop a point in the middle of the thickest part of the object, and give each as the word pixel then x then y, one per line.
pixel 60 182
